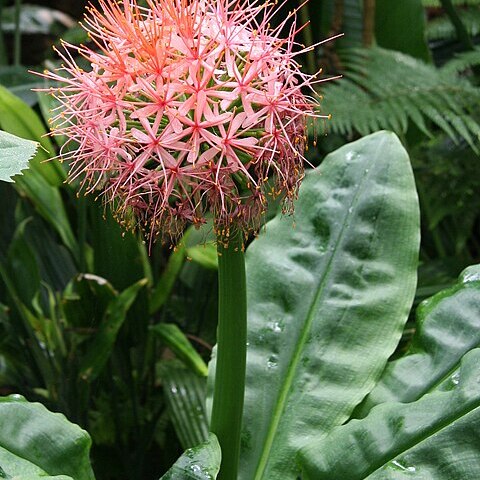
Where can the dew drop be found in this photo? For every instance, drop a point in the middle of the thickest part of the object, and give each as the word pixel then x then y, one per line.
pixel 403 467
pixel 272 362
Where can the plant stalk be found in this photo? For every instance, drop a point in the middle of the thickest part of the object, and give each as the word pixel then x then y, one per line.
pixel 231 353
pixel 368 22
pixel 461 31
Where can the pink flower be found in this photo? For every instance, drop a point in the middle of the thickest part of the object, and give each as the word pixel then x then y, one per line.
pixel 189 107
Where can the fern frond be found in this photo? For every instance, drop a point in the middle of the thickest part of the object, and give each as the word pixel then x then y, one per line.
pixel 384 89
pixel 436 3
pixel 462 61
pixel 441 28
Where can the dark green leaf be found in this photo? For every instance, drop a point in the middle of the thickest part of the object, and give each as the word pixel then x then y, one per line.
pixel 21 267
pixel 393 19
pixel 167 280
pixel 104 340
pixel 35 441
pixel 49 204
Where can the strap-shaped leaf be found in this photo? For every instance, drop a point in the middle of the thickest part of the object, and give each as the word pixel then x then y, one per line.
pixel 17 118
pixel 198 463
pixel 100 349
pixel 175 339
pixel 328 298
pixel 448 326
pixel 15 153
pixel 35 443
pixel 184 393
pixel 434 438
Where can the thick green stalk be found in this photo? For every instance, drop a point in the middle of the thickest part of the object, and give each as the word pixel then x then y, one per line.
pixel 231 354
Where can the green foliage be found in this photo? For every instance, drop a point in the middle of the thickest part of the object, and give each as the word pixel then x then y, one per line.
pixel 198 463
pixel 101 348
pixel 327 300
pixel 437 3
pixel 386 89
pixel 185 396
pixel 462 62
pixel 447 175
pixel 442 445
pixel 17 118
pixel 441 28
pixel 452 314
pixel 391 18
pixel 35 443
pixel 176 340
pixel 15 153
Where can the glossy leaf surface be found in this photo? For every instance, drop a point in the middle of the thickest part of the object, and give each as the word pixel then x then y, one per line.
pixel 448 326
pixel 185 396
pixel 435 437
pixel 15 153
pixel 198 463
pixel 328 298
pixel 36 443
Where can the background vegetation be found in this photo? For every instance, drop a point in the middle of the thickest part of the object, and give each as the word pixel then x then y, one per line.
pixel 94 326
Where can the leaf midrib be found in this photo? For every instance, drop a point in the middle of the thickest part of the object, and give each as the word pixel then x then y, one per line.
pixel 470 408
pixel 282 398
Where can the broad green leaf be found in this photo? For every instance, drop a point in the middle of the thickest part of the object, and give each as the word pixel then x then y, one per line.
pixel 434 438
pixel 175 339
pixel 104 340
pixel 17 118
pixel 198 463
pixel 15 153
pixel 448 326
pixel 328 298
pixel 34 440
pixel 185 396
pixel 393 19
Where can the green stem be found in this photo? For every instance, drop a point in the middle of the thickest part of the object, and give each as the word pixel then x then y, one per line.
pixel 460 29
pixel 17 45
pixel 308 38
pixel 231 354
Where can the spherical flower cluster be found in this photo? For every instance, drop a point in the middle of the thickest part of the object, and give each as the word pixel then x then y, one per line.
pixel 188 107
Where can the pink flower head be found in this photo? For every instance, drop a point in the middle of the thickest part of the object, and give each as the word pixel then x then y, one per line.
pixel 189 107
